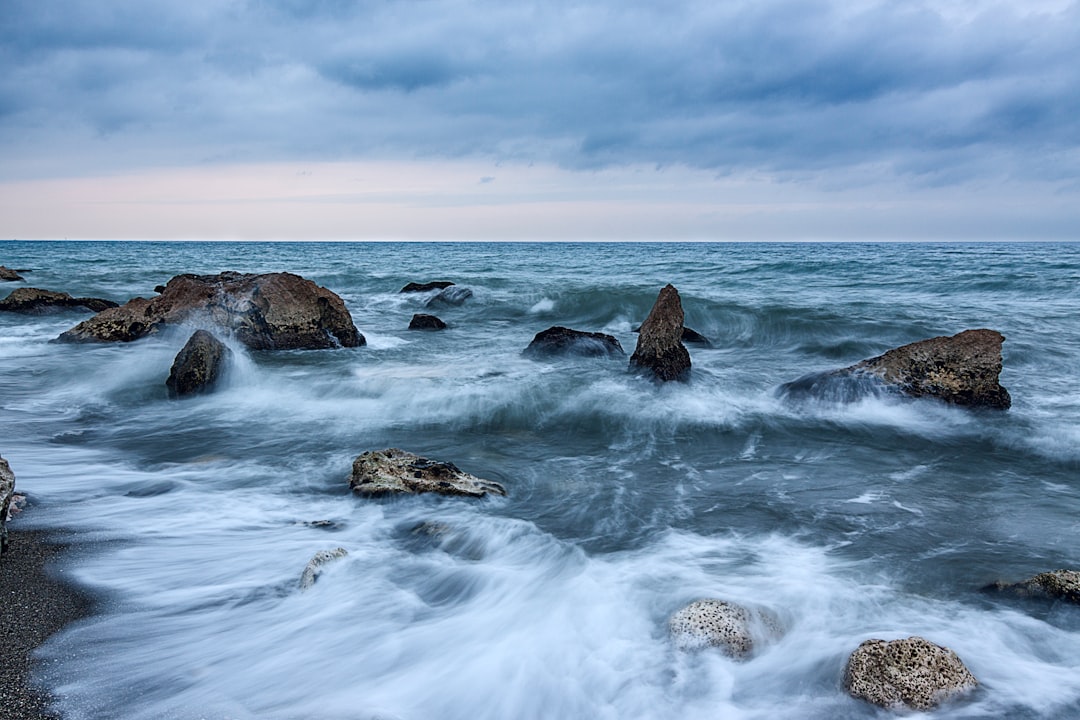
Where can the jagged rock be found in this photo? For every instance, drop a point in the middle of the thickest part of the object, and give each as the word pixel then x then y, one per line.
pixel 564 341
pixel 688 336
pixel 450 297
pixel 9 275
pixel 425 287
pixel 198 366
pixel 910 673
pixel 275 311
pixel 7 490
pixel 34 301
pixel 420 321
pixel 732 628
pixel 382 472
pixel 1053 585
pixel 659 346
pixel 317 563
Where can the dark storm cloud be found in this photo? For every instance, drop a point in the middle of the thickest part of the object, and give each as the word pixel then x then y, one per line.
pixel 777 86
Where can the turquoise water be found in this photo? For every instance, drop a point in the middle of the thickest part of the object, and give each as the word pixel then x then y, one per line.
pixel 881 518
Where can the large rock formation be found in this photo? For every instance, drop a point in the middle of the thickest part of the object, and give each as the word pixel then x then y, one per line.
pixel 1053 585
pixel 732 628
pixel 9 275
pixel 33 301
pixel 910 673
pixel 382 472
pixel 198 366
pixel 450 297
pixel 275 311
pixel 425 287
pixel 659 347
pixel 420 321
pixel 317 563
pixel 7 489
pixel 564 341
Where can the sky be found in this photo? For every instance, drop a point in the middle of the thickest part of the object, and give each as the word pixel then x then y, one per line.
pixel 555 120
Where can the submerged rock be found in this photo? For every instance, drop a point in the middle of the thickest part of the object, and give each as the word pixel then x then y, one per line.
pixel 7 490
pixel 420 321
pixel 425 287
pixel 274 311
pixel 1053 585
pixel 659 347
pixel 9 275
pixel 318 563
pixel 198 366
pixel 34 301
pixel 450 297
pixel 732 628
pixel 564 341
pixel 382 472
pixel 911 673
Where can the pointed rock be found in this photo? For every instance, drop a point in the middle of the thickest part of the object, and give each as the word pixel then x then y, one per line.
pixel 198 366
pixel 564 341
pixel 659 346
pixel 393 471
pixel 912 673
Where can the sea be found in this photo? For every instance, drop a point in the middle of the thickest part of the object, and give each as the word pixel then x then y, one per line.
pixel 191 521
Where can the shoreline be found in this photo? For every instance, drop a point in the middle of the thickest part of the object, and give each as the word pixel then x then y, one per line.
pixel 35 603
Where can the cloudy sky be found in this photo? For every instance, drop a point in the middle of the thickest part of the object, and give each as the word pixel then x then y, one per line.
pixel 595 119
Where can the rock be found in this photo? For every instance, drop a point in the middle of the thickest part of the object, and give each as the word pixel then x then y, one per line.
pixel 198 366
pixel 34 301
pixel 317 563
pixel 9 275
pixel 1053 585
pixel 421 321
pixel 450 297
pixel 7 490
pixel 425 287
pixel 275 311
pixel 659 346
pixel 732 628
pixel 911 673
pixel 688 336
pixel 564 341
pixel 382 472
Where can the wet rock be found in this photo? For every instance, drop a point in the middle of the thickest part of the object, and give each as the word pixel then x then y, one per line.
pixel 734 629
pixel 393 471
pixel 420 321
pixel 9 275
pixel 688 336
pixel 198 366
pixel 450 297
pixel 426 287
pixel 7 490
pixel 1053 585
pixel 659 347
pixel 911 673
pixel 33 301
pixel 564 341
pixel 275 311
pixel 318 563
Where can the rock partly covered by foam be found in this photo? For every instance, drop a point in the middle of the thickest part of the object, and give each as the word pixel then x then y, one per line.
pixel 382 472
pixel 910 673
pixel 734 629
pixel 1053 585
pixel 33 301
pixel 961 370
pixel 318 563
pixel 564 341
pixel 198 366
pixel 420 321
pixel 274 311
pixel 659 347
pixel 414 287
pixel 451 296
pixel 7 489
pixel 9 275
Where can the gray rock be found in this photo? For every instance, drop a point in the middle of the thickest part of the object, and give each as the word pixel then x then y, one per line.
pixel 7 490
pixel 564 341
pixel 426 287
pixel 420 321
pixel 688 336
pixel 274 311
pixel 393 471
pixel 911 673
pixel 198 366
pixel 450 297
pixel 9 275
pixel 33 301
pixel 1053 585
pixel 318 563
pixel 660 351
pixel 735 630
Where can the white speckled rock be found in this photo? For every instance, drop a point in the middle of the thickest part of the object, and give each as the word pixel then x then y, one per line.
pixel 7 489
pixel 315 566
pixel 734 629
pixel 910 673
pixel 390 471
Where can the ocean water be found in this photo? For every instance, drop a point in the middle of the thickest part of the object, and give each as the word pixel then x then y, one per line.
pixel 192 520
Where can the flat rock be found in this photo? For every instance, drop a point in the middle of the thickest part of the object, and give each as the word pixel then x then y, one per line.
pixel 274 311
pixel 912 673
pixel 564 341
pixel 420 321
pixel 450 297
pixel 9 275
pixel 318 563
pixel 7 490
pixel 426 287
pixel 1053 585
pixel 33 301
pixel 660 351
pixel 393 471
pixel 198 366
pixel 736 630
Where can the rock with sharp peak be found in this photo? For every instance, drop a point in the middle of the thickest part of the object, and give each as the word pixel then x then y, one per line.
pixel 660 351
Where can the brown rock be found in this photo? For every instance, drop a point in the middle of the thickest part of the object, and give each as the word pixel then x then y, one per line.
pixel 393 471
pixel 9 275
pixel 275 311
pixel 198 366
pixel 910 673
pixel 1053 585
pixel 564 341
pixel 659 346
pixel 34 301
